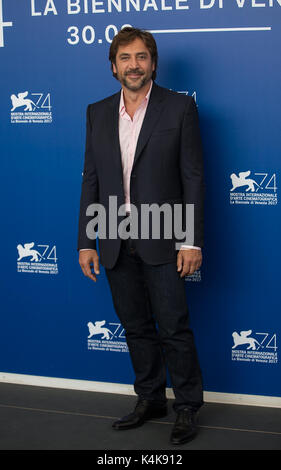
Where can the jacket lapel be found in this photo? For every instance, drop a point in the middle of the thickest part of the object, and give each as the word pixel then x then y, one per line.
pixel 152 115
pixel 113 128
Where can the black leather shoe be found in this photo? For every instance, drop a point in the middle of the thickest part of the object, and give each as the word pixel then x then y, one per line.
pixel 185 428
pixel 144 410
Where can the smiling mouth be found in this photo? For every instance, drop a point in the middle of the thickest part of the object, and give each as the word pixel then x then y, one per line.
pixel 134 74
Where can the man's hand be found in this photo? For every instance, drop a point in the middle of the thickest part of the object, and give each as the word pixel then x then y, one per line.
pixel 89 259
pixel 189 261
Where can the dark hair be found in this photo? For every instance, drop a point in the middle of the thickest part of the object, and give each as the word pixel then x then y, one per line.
pixel 128 35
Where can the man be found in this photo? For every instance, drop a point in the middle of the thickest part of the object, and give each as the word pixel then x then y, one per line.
pixel 143 147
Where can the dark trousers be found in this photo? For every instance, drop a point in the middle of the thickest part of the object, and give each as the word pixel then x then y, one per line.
pixel 151 304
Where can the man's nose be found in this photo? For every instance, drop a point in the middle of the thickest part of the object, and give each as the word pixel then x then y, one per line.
pixel 134 63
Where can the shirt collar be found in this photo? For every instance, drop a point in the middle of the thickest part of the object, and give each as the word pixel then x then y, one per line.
pixel 122 108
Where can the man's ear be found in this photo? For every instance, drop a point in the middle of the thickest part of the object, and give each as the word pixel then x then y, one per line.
pixel 114 68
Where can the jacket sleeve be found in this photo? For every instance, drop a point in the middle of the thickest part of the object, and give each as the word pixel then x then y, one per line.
pixel 192 174
pixel 90 188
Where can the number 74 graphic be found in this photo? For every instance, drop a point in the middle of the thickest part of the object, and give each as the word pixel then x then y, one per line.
pixel 267 186
pixel 43 104
pixel 267 341
pixel 118 328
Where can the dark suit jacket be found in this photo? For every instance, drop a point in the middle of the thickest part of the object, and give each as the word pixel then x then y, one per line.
pixel 167 168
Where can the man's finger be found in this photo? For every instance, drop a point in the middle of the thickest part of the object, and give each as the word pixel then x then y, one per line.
pixel 89 260
pixel 179 261
pixel 188 262
pixel 91 275
pixel 96 266
pixel 186 268
pixel 87 271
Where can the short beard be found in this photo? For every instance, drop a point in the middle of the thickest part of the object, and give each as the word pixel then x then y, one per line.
pixel 135 87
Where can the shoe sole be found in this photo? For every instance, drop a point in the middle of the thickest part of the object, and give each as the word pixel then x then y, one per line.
pixel 156 414
pixel 184 441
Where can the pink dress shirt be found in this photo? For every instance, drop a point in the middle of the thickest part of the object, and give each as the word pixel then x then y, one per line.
pixel 129 130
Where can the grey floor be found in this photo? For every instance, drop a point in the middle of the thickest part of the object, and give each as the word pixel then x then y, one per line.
pixel 39 418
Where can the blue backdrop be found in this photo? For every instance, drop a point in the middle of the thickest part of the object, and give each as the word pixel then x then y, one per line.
pixel 54 57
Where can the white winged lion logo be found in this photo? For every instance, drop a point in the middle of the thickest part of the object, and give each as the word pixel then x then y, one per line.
pixel 20 100
pixel 241 180
pixel 25 250
pixel 96 329
pixel 242 338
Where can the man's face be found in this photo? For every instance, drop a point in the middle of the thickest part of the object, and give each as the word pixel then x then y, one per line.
pixel 134 66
